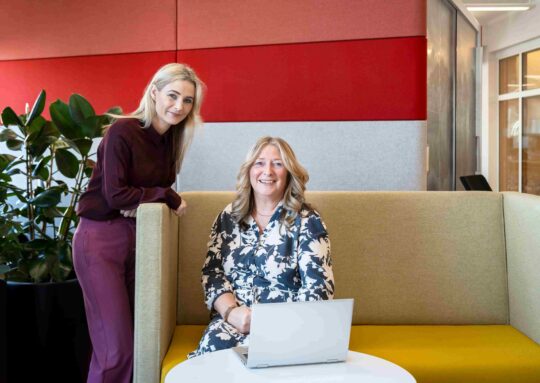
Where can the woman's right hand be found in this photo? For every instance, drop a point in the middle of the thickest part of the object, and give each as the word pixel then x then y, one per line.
pixel 181 209
pixel 240 318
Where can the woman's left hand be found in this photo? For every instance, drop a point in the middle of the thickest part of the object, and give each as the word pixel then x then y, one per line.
pixel 129 213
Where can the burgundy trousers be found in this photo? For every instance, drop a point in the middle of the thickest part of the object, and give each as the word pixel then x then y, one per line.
pixel 104 260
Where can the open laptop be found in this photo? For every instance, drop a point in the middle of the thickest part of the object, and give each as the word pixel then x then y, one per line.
pixel 298 333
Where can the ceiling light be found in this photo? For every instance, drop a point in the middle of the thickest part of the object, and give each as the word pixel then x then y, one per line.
pixel 497 8
pixel 498 5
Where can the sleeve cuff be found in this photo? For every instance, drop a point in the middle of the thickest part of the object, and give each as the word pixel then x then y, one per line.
pixel 211 300
pixel 173 199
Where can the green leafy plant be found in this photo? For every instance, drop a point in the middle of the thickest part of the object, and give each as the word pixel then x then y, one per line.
pixel 40 187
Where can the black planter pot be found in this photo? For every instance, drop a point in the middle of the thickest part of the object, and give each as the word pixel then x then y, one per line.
pixel 3 332
pixel 47 338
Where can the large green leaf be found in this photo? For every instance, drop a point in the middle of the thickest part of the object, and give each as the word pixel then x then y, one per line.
pixel 37 244
pixel 41 171
pixel 83 145
pixel 62 262
pixel 80 109
pixel 21 195
pixel 5 160
pixel 7 134
pixel 51 212
pixel 60 271
pixel 39 148
pixel 67 163
pixel 67 143
pixel 39 104
pixel 14 144
pixel 65 222
pixel 5 178
pixel 61 184
pixel 35 129
pixel 38 139
pixel 14 171
pixel 50 130
pixel 115 110
pixel 38 269
pixel 9 117
pixel 62 119
pixel 15 162
pixel 62 143
pixel 93 126
pixel 48 198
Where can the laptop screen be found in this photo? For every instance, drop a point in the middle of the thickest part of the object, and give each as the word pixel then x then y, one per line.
pixel 299 332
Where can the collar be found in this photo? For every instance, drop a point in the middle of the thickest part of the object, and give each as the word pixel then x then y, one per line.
pixel 155 137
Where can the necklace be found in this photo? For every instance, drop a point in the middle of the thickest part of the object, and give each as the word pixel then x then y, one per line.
pixel 263 215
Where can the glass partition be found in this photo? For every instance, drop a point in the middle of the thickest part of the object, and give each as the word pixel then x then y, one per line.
pixel 451 96
pixel 531 145
pixel 531 70
pixel 519 122
pixel 465 104
pixel 509 132
pixel 440 94
pixel 509 75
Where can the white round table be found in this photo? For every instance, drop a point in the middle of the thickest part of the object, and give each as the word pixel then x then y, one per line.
pixel 225 367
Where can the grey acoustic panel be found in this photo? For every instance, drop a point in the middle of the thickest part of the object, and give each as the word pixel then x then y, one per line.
pixel 351 155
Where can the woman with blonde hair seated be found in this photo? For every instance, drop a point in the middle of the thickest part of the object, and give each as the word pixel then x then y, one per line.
pixel 267 246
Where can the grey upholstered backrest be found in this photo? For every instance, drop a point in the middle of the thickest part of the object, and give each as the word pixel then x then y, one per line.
pixel 522 228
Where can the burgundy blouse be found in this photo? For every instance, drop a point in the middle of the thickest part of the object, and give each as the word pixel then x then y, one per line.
pixel 134 165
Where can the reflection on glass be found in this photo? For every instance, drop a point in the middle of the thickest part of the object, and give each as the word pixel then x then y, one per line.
pixel 531 70
pixel 508 145
pixel 531 145
pixel 509 75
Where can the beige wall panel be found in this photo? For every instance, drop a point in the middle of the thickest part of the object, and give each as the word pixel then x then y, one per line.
pixel 56 28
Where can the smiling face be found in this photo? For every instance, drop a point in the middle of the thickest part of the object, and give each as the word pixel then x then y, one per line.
pixel 173 103
pixel 268 175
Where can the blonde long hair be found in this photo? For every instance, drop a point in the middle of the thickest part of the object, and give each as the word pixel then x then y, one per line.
pixel 183 132
pixel 297 177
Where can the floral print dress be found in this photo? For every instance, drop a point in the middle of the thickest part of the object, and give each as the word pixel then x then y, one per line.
pixel 281 264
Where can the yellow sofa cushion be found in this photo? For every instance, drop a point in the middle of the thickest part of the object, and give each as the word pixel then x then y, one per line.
pixel 441 354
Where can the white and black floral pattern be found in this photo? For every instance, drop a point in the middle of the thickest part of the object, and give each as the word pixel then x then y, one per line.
pixel 278 265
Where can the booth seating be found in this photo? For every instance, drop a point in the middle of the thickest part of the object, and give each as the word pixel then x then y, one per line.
pixel 446 284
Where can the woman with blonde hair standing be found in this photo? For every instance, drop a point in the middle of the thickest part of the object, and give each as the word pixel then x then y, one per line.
pixel 137 162
pixel 269 245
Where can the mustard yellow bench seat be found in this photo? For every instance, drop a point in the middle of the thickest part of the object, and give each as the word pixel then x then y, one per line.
pixel 445 354
pixel 446 284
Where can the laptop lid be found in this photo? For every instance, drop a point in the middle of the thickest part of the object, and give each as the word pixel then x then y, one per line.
pixel 299 332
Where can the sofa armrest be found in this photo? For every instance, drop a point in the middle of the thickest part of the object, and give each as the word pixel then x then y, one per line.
pixel 155 289
pixel 522 228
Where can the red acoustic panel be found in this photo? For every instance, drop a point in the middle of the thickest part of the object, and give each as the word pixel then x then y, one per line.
pixel 349 80
pixel 105 81
pixel 210 23
pixel 60 28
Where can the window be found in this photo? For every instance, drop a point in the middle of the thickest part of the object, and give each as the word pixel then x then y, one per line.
pixel 519 122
